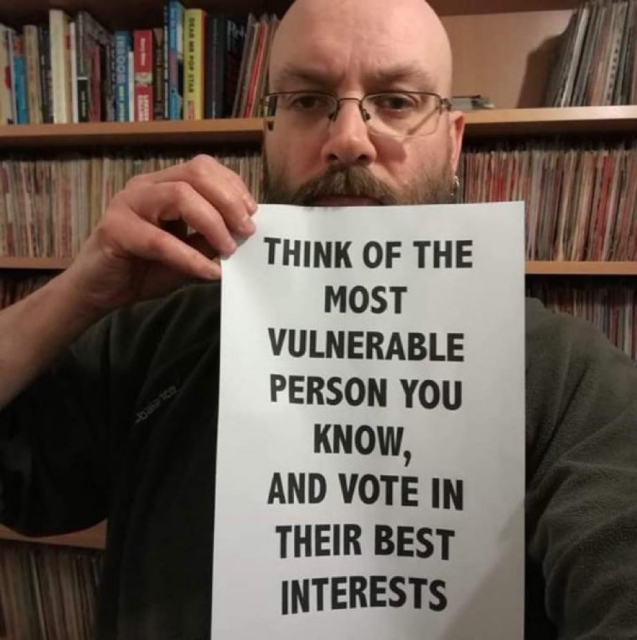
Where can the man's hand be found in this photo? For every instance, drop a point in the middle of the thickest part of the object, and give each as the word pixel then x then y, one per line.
pixel 141 249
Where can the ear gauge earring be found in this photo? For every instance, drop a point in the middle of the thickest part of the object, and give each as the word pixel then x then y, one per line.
pixel 455 191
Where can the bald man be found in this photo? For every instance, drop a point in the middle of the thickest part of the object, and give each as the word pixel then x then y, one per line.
pixel 121 424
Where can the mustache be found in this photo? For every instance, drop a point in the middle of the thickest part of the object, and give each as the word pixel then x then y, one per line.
pixel 344 180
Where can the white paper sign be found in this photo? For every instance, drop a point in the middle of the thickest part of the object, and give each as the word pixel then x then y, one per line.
pixel 370 464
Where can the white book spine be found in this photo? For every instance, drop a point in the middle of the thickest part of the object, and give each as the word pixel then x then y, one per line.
pixel 74 100
pixel 59 77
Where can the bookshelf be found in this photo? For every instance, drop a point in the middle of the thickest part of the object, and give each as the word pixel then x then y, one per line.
pixel 615 120
pixel 511 67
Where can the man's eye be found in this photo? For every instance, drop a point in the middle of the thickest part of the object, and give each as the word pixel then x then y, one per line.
pixel 309 102
pixel 394 102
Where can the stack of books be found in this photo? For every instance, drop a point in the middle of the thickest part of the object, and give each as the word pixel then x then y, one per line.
pixel 581 198
pixel 47 592
pixel 195 65
pixel 596 62
pixel 611 307
pixel 49 207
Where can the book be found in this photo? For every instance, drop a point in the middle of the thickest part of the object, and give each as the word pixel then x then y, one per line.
pixel 175 58
pixel 7 115
pixel 144 48
pixel 20 80
pixel 46 80
pixel 159 64
pixel 122 48
pixel 236 30
pixel 59 32
pixel 214 66
pixel 32 62
pixel 194 38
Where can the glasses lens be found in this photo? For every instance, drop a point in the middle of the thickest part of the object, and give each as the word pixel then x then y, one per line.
pixel 300 109
pixel 402 114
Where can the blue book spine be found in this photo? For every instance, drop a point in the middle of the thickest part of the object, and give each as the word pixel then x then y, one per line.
pixel 122 47
pixel 20 83
pixel 175 57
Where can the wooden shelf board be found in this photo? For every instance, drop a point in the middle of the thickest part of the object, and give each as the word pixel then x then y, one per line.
pixel 490 122
pixel 93 538
pixel 135 134
pixel 582 268
pixel 614 268
pixel 547 121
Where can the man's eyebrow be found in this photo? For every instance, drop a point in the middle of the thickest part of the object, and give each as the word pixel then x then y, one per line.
pixel 420 78
pixel 291 74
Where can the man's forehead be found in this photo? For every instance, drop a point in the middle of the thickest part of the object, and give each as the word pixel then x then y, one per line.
pixel 386 74
pixel 324 41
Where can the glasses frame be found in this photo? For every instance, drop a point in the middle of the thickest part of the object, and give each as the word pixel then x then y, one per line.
pixel 444 104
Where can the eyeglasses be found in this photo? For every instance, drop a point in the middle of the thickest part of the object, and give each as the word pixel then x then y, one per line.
pixel 396 114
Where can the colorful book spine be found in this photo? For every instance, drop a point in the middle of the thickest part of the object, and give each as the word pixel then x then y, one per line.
pixel 122 47
pixel 144 101
pixel 6 88
pixel 166 69
pixel 158 74
pixel 176 57
pixel 194 24
pixel 20 80
pixel 83 59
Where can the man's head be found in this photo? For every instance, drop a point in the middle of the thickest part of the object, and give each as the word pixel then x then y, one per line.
pixel 352 48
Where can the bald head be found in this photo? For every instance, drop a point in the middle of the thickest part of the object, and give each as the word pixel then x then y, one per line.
pixel 362 42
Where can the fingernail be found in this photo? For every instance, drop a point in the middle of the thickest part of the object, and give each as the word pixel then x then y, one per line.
pixel 247 227
pixel 251 204
pixel 229 248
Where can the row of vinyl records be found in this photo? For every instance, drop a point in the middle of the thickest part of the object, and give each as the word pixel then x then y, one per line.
pixel 194 66
pixel 609 304
pixel 596 62
pixel 46 592
pixel 581 198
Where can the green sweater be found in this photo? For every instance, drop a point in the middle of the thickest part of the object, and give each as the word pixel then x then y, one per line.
pixel 123 426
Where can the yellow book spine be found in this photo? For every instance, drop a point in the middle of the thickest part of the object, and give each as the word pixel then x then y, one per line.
pixel 194 25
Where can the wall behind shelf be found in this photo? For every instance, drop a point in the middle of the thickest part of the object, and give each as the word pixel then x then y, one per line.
pixel 505 56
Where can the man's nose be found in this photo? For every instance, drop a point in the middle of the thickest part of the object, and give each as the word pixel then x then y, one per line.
pixel 348 139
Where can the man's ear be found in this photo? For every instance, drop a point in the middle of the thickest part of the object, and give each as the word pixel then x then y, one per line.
pixel 456 135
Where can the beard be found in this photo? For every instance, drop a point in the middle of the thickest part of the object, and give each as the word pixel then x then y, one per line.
pixel 431 187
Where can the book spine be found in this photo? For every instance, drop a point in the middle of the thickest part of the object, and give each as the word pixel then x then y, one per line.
pixel 131 85
pixel 10 35
pixel 59 77
pixel 75 117
pixel 220 65
pixel 158 74
pixel 209 67
pixel 32 56
pixel 235 40
pixel 144 101
pixel 20 80
pixel 193 63
pixel 109 84
pixel 176 59
pixel 5 79
pixel 166 65
pixel 82 61
pixel 96 91
pixel 46 79
pixel 122 47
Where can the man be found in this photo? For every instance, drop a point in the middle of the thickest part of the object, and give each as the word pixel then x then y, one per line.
pixel 78 442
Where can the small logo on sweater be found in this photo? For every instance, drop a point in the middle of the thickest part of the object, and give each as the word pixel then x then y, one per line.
pixel 155 404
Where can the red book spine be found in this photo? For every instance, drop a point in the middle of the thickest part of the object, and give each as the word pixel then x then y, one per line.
pixel 143 66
